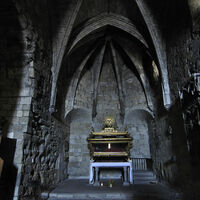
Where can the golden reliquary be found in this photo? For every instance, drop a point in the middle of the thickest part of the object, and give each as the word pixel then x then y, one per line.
pixel 109 144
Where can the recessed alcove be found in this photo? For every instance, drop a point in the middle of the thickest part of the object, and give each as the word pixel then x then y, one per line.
pixel 102 91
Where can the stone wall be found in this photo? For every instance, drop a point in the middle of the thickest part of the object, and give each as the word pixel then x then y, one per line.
pixel 15 95
pixel 79 157
pixel 80 121
pixel 162 152
pixel 186 50
pixel 107 97
pixel 62 132
pixel 172 162
pixel 138 127
pixel 45 156
pixel 83 97
pixel 133 91
pixel 34 148
pixel 38 144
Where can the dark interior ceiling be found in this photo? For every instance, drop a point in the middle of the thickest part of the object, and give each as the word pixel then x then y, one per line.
pixel 107 34
pixel 166 14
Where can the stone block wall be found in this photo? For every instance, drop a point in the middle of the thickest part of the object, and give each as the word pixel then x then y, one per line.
pixel 45 156
pixel 62 132
pixel 172 162
pixel 170 157
pixel 79 156
pixel 83 97
pixel 131 84
pixel 138 123
pixel 38 138
pixel 140 148
pixel 162 151
pixel 108 97
pixel 15 95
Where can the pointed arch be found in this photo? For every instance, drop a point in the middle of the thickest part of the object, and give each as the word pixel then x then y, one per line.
pixel 160 48
pixel 58 58
pixel 69 103
pixel 104 20
pixel 142 76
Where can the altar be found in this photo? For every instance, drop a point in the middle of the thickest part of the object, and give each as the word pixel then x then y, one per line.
pixel 95 166
pixel 110 148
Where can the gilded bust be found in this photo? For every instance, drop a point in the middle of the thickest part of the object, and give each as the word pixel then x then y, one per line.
pixel 109 122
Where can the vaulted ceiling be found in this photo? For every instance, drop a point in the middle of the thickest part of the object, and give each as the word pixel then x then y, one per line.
pixel 133 32
pixel 126 30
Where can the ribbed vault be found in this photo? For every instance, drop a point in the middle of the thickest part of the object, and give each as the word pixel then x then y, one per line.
pixel 139 42
pixel 124 49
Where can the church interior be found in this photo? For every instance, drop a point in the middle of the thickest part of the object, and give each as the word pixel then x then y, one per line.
pixel 67 66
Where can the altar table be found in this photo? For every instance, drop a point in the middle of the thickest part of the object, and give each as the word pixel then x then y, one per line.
pixel 94 171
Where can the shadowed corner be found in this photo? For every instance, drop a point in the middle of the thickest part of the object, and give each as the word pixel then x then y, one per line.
pixel 9 171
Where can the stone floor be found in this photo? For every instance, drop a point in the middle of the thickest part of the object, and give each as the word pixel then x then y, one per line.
pixel 143 189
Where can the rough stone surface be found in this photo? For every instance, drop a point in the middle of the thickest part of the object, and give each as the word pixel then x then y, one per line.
pixel 79 157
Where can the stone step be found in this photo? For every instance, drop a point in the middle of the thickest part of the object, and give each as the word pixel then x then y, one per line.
pixel 144 177
pixel 145 187
pixel 113 197
pixel 143 173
